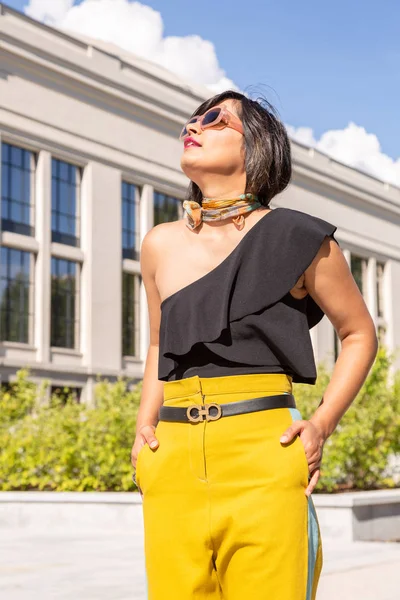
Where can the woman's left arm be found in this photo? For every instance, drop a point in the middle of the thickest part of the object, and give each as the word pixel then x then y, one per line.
pixel 331 284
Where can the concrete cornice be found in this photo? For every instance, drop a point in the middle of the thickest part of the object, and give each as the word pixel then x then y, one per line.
pixel 319 170
pixel 138 82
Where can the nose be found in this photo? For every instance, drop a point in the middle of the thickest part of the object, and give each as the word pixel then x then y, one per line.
pixel 193 127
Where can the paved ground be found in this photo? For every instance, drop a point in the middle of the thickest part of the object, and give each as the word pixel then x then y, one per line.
pixel 91 566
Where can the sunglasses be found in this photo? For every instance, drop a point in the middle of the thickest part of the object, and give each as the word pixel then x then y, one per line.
pixel 212 117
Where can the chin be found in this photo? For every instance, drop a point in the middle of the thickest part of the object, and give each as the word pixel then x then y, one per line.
pixel 191 165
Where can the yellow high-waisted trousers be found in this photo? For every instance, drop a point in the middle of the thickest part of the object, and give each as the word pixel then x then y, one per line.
pixel 224 510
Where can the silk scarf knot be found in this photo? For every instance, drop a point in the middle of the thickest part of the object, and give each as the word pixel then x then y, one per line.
pixel 212 209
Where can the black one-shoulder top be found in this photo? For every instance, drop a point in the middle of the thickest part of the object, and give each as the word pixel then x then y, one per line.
pixel 240 317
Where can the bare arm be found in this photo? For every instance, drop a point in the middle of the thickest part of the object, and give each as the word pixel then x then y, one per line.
pixel 331 284
pixel 152 391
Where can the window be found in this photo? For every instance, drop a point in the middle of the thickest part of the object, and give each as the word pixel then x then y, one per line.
pixel 130 314
pixel 17 173
pixel 130 221
pixel 64 304
pixel 6 387
pixel 16 301
pixel 166 208
pixel 63 392
pixel 380 267
pixel 65 193
pixel 380 308
pixel 381 334
pixel 369 268
pixel 359 270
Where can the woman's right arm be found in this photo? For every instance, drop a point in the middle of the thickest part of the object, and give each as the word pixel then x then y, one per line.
pixel 152 391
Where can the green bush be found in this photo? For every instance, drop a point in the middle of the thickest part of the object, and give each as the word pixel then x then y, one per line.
pixel 355 456
pixel 69 446
pixel 20 399
pixel 65 446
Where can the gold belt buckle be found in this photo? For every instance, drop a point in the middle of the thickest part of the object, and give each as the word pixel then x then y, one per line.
pixel 203 411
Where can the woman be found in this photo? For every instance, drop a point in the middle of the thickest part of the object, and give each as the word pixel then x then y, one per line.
pixel 232 291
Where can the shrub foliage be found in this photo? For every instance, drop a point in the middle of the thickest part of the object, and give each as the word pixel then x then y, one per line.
pixel 62 445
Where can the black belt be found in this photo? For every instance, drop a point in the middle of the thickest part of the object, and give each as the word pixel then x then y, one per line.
pixel 213 411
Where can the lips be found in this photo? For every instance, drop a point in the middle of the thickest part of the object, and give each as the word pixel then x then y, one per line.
pixel 190 143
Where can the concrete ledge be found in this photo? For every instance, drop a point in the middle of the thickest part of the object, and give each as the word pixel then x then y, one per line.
pixel 364 516
pixel 71 497
pixel 72 511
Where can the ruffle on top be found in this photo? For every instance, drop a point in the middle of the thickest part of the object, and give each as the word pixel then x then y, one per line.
pixel 238 297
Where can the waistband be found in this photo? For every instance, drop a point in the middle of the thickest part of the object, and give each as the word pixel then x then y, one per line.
pixel 278 383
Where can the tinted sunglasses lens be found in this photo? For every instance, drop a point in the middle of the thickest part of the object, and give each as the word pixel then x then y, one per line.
pixel 184 130
pixel 211 116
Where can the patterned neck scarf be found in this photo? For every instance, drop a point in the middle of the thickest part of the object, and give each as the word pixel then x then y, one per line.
pixel 217 210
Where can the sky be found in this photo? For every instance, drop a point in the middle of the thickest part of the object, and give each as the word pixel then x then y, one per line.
pixel 332 70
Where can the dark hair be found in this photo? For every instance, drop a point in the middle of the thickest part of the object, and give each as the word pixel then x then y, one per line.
pixel 266 143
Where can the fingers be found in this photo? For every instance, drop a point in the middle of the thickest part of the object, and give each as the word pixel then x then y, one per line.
pixel 135 452
pixel 147 432
pixel 134 458
pixel 291 431
pixel 147 436
pixel 312 482
pixel 152 441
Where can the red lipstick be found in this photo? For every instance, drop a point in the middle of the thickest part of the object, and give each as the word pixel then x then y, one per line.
pixel 189 142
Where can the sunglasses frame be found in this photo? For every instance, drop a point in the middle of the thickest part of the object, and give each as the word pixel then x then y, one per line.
pixel 225 116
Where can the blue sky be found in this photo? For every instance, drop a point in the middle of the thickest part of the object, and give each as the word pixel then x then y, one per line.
pixel 323 65
pixel 327 63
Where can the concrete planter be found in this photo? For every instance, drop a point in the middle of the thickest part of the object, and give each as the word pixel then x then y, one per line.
pixel 71 511
pixel 371 516
pixel 368 516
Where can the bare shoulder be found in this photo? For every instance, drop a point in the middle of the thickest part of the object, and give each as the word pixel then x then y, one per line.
pixel 155 242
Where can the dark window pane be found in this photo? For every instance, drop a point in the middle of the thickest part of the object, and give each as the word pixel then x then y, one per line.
pixel 5 189
pixel 16 156
pixel 130 226
pixel 16 177
pixel 64 197
pixel 64 392
pixel 380 270
pixel 15 293
pixel 166 208
pixel 16 213
pixel 130 314
pixel 63 302
pixel 17 186
pixel 358 269
pixel 62 171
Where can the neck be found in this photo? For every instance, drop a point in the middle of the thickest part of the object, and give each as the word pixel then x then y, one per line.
pixel 223 195
pixel 221 189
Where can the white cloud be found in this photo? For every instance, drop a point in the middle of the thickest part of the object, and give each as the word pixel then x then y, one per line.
pixel 50 12
pixel 303 135
pixel 353 146
pixel 136 28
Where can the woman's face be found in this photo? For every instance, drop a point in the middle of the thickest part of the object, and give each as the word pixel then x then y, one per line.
pixel 221 152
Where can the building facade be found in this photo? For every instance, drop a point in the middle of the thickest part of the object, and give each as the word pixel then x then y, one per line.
pixel 89 163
